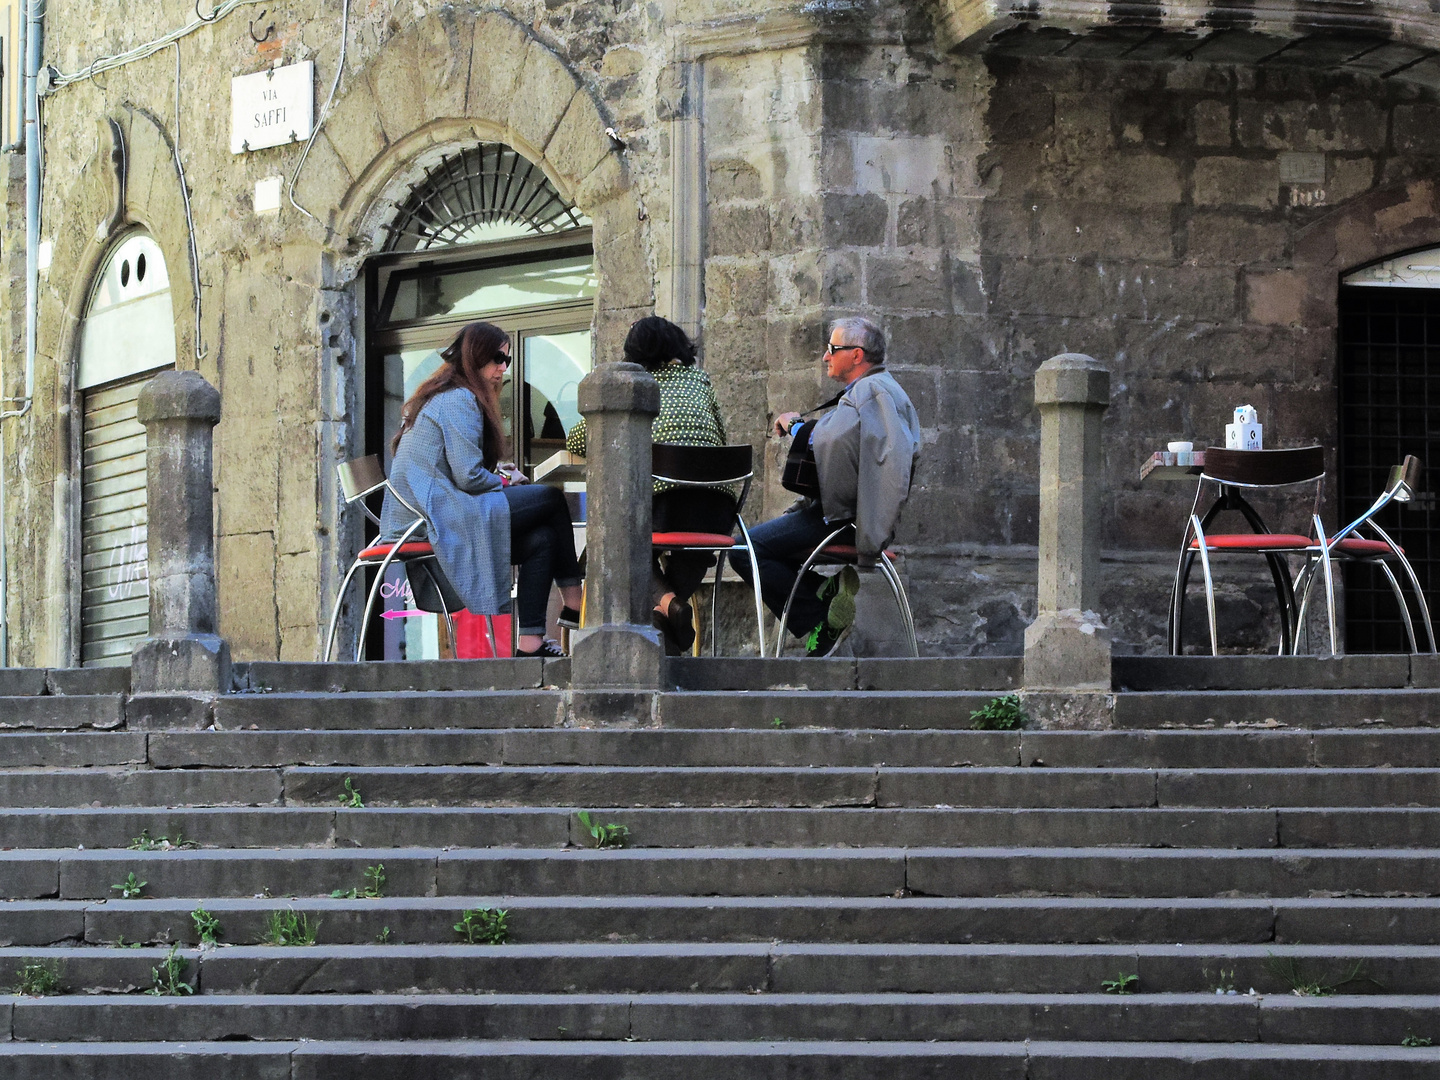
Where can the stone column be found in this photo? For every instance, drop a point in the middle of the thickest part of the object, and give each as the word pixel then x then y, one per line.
pixel 183 652
pixel 1067 647
pixel 618 649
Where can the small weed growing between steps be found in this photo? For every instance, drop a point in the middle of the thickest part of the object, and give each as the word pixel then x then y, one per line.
pixel 482 926
pixel 778 722
pixel 350 798
pixel 1411 1039
pixel 384 936
pixel 1000 714
pixel 1224 983
pixel 130 889
pixel 611 835
pixel 169 977
pixel 374 886
pixel 1121 984
pixel 289 928
pixel 207 926
pixel 1305 984
pixel 146 842
pixel 38 980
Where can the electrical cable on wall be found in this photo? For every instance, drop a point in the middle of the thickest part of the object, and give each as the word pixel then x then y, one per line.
pixel 324 109
pixel 59 80
pixel 185 195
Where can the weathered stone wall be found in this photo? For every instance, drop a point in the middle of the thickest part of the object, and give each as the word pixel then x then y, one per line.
pixel 992 210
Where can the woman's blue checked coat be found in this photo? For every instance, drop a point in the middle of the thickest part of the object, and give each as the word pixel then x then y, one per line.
pixel 439 470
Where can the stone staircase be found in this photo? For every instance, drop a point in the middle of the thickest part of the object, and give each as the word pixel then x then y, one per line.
pixel 827 874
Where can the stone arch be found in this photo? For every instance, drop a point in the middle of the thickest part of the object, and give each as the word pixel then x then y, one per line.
pixel 457 77
pixel 1375 226
pixel 84 220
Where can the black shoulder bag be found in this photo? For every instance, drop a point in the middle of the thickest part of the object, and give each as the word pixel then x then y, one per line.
pixel 800 474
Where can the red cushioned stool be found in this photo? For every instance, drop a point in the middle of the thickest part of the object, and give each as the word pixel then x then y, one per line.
pixel 1235 472
pixel 710 467
pixel 360 478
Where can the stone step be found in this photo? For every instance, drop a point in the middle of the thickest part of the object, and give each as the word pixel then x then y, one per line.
pixel 797 968
pixel 481 826
pixel 1417 748
pixel 850 786
pixel 1364 671
pixel 1282 1019
pixel 640 1060
pixel 98 712
pixel 1153 872
pixel 914 919
pixel 855 747
pixel 819 786
pixel 372 711
pixel 1274 708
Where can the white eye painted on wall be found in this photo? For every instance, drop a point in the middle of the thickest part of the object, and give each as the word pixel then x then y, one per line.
pixel 129 324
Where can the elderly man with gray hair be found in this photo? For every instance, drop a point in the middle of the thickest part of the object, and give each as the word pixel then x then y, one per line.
pixel 865 452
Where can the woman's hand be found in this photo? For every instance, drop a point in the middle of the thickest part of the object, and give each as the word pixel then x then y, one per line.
pixel 782 423
pixel 512 473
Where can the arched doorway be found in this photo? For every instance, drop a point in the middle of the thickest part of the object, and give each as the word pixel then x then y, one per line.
pixel 483 236
pixel 128 333
pixel 1389 390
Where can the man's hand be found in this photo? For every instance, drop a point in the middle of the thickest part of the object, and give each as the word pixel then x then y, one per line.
pixel 782 423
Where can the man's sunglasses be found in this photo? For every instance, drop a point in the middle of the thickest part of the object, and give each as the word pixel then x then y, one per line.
pixel 831 348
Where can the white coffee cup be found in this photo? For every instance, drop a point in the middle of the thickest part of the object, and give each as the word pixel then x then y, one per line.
pixel 1180 447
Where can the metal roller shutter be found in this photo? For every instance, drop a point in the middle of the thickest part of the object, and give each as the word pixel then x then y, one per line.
pixel 115 596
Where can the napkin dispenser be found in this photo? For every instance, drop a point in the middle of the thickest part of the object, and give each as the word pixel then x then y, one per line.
pixel 1246 432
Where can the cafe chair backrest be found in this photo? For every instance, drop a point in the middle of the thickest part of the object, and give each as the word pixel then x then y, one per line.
pixel 1405 479
pixel 360 476
pixel 702 464
pixel 1264 468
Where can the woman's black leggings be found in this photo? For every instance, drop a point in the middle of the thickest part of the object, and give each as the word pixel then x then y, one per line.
pixel 542 544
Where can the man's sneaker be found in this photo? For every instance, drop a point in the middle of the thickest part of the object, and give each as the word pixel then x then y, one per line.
pixel 823 641
pixel 840 590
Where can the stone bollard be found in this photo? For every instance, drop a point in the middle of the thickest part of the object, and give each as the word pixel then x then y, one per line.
pixel 1067 647
pixel 618 649
pixel 183 652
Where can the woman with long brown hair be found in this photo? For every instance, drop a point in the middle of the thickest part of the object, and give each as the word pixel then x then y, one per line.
pixel 481 518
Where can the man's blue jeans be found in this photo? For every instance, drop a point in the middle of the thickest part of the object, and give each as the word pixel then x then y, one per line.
pixel 781 545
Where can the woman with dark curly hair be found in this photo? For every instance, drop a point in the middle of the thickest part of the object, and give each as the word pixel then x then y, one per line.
pixel 689 416
pixel 483 517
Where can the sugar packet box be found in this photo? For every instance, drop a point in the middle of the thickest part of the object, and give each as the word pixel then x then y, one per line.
pixel 1246 432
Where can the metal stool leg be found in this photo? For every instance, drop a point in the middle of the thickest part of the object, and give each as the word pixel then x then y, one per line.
pixel 335 614
pixel 755 583
pixel 902 601
pixel 795 587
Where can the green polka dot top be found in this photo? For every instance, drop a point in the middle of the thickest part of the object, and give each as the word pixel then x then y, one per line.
pixel 689 414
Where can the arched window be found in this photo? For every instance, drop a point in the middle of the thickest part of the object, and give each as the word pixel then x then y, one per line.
pixel 484 236
pixel 1389 361
pixel 128 333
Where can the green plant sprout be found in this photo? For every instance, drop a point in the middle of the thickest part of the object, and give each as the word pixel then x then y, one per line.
pixel 778 722
pixel 289 928
pixel 207 926
pixel 384 936
pixel 1000 714
pixel 1224 983
pixel 38 979
pixel 146 842
pixel 374 889
pixel 121 943
pixel 350 798
pixel 482 926
pixel 130 889
pixel 169 977
pixel 611 835
pixel 1121 984
pixel 1305 984
pixel 1411 1039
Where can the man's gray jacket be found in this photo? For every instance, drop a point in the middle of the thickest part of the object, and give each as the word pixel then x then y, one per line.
pixel 865 453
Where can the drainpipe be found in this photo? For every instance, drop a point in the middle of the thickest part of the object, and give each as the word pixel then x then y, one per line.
pixel 32 33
